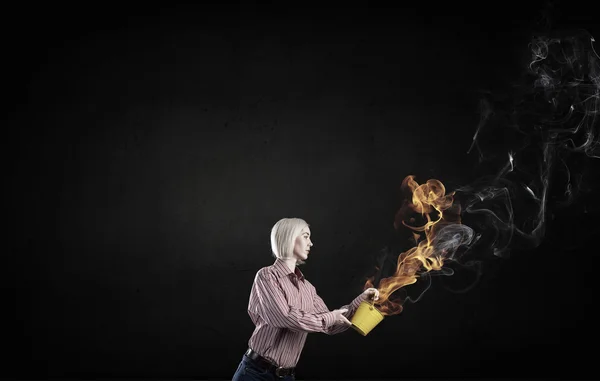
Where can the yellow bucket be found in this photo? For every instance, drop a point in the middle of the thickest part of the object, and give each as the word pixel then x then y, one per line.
pixel 366 318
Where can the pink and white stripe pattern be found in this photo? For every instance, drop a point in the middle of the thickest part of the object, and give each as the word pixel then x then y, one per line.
pixel 285 307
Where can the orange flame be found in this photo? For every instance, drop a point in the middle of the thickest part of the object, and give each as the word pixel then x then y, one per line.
pixel 438 210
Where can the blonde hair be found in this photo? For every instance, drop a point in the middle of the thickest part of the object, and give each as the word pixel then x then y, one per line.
pixel 283 236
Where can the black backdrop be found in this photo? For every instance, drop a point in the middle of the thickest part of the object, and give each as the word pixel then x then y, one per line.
pixel 150 151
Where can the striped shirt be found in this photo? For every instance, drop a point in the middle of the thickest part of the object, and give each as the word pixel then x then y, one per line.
pixel 285 307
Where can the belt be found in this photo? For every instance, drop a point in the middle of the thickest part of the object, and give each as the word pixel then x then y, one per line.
pixel 268 365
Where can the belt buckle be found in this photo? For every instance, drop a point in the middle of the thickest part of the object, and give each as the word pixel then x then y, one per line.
pixel 277 372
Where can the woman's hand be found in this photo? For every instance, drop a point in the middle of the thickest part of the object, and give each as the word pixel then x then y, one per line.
pixel 340 318
pixel 371 294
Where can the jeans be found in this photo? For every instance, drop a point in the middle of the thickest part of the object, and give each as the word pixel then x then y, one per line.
pixel 249 371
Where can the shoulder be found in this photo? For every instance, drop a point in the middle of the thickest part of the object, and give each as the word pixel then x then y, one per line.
pixel 265 273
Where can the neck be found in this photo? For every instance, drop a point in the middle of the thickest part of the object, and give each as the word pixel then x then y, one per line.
pixel 291 263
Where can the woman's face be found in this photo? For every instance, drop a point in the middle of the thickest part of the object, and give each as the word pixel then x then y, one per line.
pixel 302 245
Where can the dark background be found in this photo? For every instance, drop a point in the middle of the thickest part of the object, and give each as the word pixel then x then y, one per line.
pixel 150 151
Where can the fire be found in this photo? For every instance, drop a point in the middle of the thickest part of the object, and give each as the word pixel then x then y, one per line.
pixel 437 210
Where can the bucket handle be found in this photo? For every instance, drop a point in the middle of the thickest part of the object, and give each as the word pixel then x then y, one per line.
pixel 371 303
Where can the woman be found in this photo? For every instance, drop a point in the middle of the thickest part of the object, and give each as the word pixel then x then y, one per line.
pixel 285 307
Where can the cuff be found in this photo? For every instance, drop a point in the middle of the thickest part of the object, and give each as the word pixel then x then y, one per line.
pixel 328 320
pixel 356 302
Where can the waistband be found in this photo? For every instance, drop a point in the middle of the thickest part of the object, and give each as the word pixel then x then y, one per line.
pixel 268 365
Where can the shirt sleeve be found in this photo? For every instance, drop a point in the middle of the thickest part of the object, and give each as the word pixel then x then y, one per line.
pixel 275 311
pixel 321 308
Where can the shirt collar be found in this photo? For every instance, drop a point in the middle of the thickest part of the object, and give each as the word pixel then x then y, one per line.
pixel 281 269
